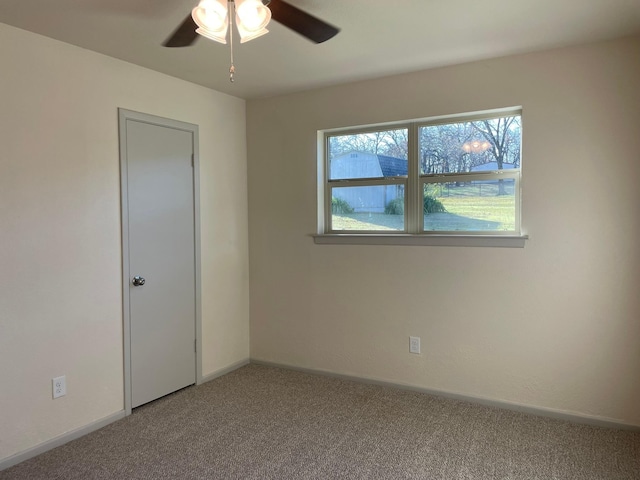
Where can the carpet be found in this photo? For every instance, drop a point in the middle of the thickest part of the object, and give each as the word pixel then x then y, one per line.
pixel 262 422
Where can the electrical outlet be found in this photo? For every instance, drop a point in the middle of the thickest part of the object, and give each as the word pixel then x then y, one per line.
pixel 414 344
pixel 59 386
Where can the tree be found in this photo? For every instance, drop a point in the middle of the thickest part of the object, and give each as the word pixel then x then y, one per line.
pixel 392 143
pixel 445 148
pixel 442 148
pixel 501 134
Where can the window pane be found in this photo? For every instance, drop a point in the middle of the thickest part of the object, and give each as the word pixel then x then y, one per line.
pixel 379 207
pixel 480 145
pixel 368 155
pixel 482 205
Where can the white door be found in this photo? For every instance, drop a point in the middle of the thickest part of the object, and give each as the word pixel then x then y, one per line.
pixel 161 256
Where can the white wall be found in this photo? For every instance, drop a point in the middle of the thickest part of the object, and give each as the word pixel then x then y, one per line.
pixel 553 325
pixel 60 253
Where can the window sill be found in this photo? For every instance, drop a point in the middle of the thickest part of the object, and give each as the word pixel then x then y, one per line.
pixel 503 241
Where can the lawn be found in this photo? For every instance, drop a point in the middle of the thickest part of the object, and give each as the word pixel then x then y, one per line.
pixel 464 213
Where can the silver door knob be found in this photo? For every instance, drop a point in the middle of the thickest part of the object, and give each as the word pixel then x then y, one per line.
pixel 138 281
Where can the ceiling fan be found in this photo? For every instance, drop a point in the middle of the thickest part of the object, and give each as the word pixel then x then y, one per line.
pixel 299 21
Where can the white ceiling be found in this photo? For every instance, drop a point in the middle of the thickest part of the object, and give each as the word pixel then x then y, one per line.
pixel 377 38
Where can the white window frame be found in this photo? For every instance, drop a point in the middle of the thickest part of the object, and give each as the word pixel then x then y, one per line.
pixel 413 233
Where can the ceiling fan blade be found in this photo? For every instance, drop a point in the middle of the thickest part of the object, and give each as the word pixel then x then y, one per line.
pixel 299 21
pixel 184 35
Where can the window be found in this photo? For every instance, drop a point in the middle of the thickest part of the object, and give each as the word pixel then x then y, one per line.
pixel 456 176
pixel 367 181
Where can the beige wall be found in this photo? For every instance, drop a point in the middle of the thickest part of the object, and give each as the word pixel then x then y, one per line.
pixel 554 325
pixel 60 254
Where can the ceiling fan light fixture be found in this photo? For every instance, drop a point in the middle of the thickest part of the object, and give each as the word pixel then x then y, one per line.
pixel 211 16
pixel 214 18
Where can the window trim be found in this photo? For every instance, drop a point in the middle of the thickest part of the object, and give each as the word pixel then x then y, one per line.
pixel 434 240
pixel 413 233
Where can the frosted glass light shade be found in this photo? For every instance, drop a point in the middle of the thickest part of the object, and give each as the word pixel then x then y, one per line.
pixel 252 18
pixel 211 16
pixel 246 35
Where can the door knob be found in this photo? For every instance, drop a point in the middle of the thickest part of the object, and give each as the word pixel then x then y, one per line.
pixel 138 281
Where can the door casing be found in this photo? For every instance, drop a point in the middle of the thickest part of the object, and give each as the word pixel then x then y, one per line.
pixel 123 116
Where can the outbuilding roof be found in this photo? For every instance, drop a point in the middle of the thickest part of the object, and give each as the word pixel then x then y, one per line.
pixel 391 166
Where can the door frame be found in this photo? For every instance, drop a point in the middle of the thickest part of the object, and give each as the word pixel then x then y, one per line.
pixel 124 116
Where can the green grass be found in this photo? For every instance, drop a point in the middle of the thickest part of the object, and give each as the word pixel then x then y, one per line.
pixel 474 213
pixel 368 221
pixel 464 213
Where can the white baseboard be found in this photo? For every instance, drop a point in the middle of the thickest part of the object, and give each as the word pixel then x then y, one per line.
pixel 59 440
pixel 224 370
pixel 534 410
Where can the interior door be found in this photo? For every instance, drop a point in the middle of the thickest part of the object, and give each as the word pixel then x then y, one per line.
pixel 161 258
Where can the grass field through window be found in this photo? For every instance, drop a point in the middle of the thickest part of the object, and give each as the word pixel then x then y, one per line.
pixel 464 213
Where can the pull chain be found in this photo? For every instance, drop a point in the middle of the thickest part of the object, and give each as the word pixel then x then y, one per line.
pixel 232 68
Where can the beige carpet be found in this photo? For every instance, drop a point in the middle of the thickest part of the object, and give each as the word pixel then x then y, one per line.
pixel 267 423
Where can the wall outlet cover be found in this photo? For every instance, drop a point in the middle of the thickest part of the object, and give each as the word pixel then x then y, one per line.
pixel 414 344
pixel 59 385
